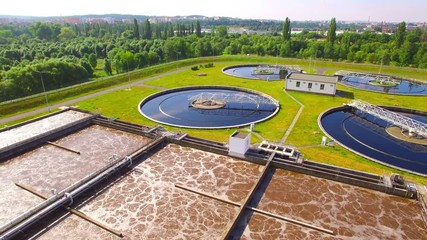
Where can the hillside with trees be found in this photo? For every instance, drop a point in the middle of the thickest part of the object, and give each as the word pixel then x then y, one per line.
pixel 66 54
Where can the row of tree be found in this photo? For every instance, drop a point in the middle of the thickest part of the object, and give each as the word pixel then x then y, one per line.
pixel 56 32
pixel 37 77
pixel 55 50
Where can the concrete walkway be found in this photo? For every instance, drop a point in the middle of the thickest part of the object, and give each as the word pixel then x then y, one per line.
pixel 321 70
pixel 256 134
pixel 310 146
pixel 82 98
pixel 288 132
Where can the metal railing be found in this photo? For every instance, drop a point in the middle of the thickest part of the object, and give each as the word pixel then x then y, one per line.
pixel 406 123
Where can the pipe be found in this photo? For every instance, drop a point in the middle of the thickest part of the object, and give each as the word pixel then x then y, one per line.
pixel 62 147
pixel 74 211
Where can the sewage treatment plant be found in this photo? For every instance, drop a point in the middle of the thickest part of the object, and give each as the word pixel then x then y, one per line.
pixel 75 174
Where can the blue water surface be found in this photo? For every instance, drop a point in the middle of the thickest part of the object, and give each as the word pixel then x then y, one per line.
pixel 366 134
pixel 248 72
pixel 175 109
pixel 405 87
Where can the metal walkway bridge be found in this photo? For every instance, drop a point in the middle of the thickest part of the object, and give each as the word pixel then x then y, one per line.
pixel 406 123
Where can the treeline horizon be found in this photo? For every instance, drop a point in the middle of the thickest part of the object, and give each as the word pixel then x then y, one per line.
pixel 64 55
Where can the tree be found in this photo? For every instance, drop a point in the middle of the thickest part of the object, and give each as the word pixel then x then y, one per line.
pixel 183 30
pixel 171 31
pixel 286 49
pixel 198 29
pixel 23 81
pixel 158 32
pixel 222 31
pixel 135 29
pixel 421 57
pixel 176 48
pixel 332 34
pixel 199 49
pixel 286 32
pixel 107 67
pixel 328 50
pixel 246 49
pixel 92 60
pixel 141 59
pixel 41 30
pixel 56 30
pixel 153 58
pixel 5 36
pixel 259 49
pixel 165 32
pixel 128 34
pixel 124 61
pixel 86 65
pixel 66 34
pixel 409 48
pixel 400 35
pixel 233 48
pixel 147 30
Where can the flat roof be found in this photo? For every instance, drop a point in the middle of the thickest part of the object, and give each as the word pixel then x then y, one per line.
pixel 239 135
pixel 313 77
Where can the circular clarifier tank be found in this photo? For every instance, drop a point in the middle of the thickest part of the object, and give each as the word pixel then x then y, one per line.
pixel 384 84
pixel 260 72
pixel 208 107
pixel 377 139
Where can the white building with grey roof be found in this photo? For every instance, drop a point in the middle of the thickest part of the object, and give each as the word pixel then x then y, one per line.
pixel 312 83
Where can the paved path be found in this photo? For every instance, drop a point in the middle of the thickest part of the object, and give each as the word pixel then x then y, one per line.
pixel 82 98
pixel 288 132
pixel 321 70
pixel 256 134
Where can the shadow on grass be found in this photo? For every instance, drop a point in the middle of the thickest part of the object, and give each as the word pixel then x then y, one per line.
pixel 345 94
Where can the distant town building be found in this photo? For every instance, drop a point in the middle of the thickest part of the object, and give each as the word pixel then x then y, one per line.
pixel 297 30
pixel 72 20
pixel 312 83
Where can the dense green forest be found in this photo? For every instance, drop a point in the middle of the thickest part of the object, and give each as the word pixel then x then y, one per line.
pixel 64 55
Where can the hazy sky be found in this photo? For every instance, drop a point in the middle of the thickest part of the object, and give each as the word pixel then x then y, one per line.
pixel 375 10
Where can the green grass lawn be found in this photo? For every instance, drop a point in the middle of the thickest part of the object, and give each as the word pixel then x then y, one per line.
pixel 99 69
pixel 123 105
pixel 272 129
pixel 307 132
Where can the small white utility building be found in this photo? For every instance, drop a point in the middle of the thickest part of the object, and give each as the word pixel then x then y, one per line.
pixel 239 143
pixel 312 83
